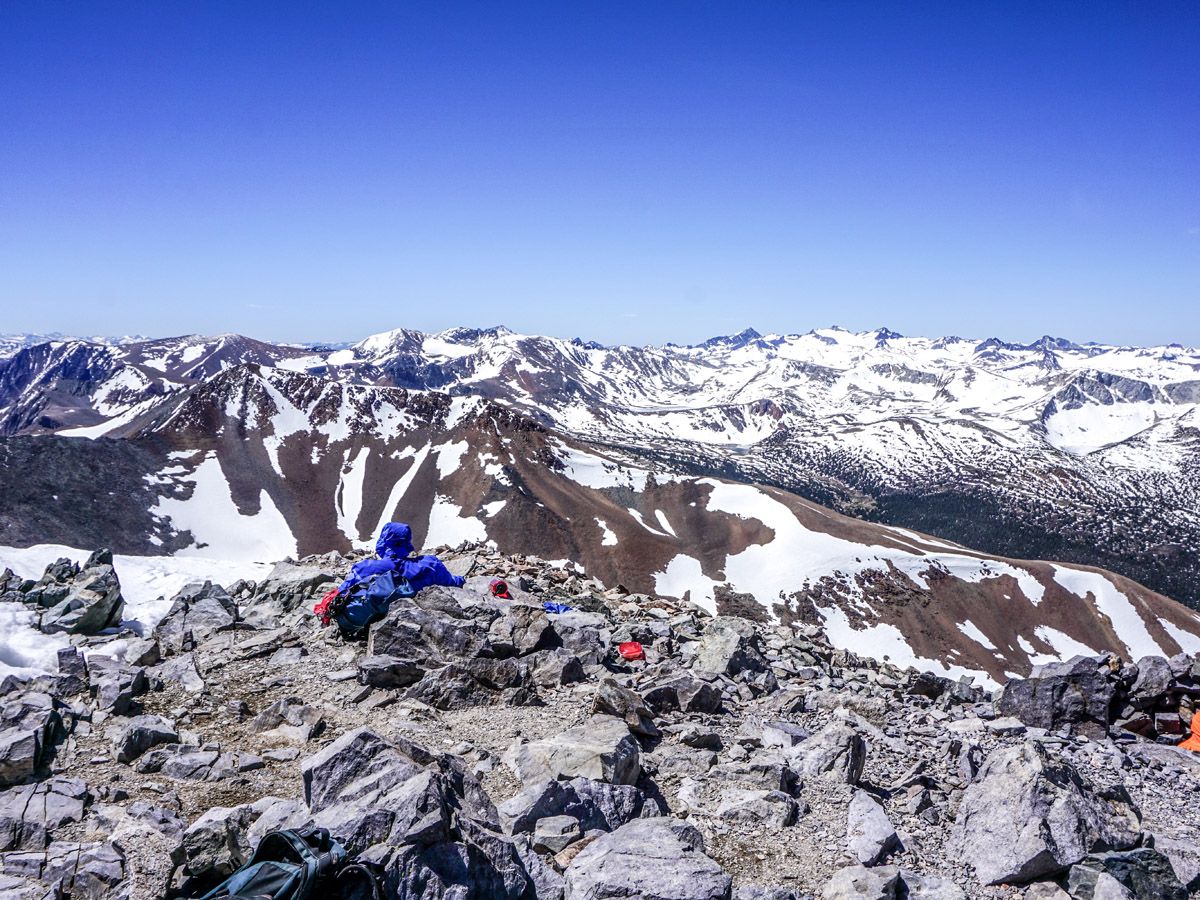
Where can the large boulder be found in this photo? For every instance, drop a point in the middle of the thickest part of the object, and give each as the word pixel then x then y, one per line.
pixel 593 804
pixel 870 836
pixel 683 693
pixel 1153 680
pixel 613 700
pixel 29 814
pixel 1145 874
pixel 131 738
pixel 1077 693
pixel 30 725
pixel 93 603
pixel 836 752
pixel 477 681
pixel 652 859
pixel 730 645
pixel 290 719
pixel 1029 816
pixel 81 871
pixel 888 883
pixel 601 748
pixel 197 612
pixel 431 628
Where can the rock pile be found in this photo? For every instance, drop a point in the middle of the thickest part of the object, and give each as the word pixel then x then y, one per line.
pixel 477 747
pixel 1154 698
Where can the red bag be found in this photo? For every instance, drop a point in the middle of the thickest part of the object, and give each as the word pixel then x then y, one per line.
pixel 631 650
pixel 324 613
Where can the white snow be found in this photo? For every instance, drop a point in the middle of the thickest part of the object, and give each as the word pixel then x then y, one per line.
pixel 1064 646
pixel 884 641
pixel 1188 642
pixel 400 488
pixel 147 584
pixel 1127 623
pixel 219 530
pixel 449 458
pixel 683 577
pixel 350 495
pixel 447 525
pixel 1087 428
pixel 971 630
pixel 490 509
pixel 662 520
pixel 596 473
pixel 608 537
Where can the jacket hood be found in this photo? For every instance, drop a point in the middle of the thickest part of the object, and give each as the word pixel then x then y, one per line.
pixel 395 541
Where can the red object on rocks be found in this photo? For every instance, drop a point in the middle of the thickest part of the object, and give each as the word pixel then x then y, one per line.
pixel 499 588
pixel 324 613
pixel 631 650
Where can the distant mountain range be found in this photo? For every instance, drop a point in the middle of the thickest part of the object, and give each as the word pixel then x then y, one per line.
pixel 675 470
pixel 1083 453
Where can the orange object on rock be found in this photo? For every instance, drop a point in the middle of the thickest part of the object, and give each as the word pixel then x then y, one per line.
pixel 1193 743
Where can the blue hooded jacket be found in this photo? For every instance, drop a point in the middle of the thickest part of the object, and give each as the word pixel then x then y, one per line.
pixel 394 550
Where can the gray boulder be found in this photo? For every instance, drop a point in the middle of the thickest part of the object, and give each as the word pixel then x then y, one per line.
pixel 683 693
pixel 1144 874
pixel 1185 860
pixel 757 807
pixel 388 671
pixel 652 859
pixel 887 883
pixel 132 738
pixel 870 836
pixel 1154 679
pixel 476 681
pixel 197 612
pixel 1077 693
pixel 613 700
pixel 555 833
pixel 30 725
pixel 29 814
pixel 215 845
pixel 93 603
pixel 1028 816
pixel 601 748
pixel 290 719
pixel 730 645
pixel 596 805
pixel 837 752
pixel 862 883
pixel 92 871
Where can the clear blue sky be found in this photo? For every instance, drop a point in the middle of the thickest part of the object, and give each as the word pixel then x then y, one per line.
pixel 634 172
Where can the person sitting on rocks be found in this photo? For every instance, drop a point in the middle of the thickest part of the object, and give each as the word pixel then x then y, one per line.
pixel 394 553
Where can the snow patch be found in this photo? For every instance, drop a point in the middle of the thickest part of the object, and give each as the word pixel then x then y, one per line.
pixel 447 525
pixel 218 529
pixel 608 538
pixel 971 630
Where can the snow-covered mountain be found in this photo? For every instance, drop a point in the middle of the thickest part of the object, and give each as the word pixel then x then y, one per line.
pixel 1086 453
pixel 258 462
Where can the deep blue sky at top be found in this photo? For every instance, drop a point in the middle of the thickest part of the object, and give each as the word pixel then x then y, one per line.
pixel 633 172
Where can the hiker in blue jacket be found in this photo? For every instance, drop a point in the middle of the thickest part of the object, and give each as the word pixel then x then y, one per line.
pixel 395 553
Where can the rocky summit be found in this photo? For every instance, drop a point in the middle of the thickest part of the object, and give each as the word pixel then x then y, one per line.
pixel 473 747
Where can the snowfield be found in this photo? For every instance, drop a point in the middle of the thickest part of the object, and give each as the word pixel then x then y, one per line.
pixel 147 584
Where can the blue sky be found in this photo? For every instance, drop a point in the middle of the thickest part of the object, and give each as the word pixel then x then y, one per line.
pixel 636 172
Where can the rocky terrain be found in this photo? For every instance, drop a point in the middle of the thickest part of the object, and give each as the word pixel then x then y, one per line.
pixel 476 747
pixel 1049 450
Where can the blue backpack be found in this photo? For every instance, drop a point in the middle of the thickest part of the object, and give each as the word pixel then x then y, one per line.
pixel 368 601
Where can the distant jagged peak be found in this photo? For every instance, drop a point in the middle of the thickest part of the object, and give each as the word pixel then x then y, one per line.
pixel 741 339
